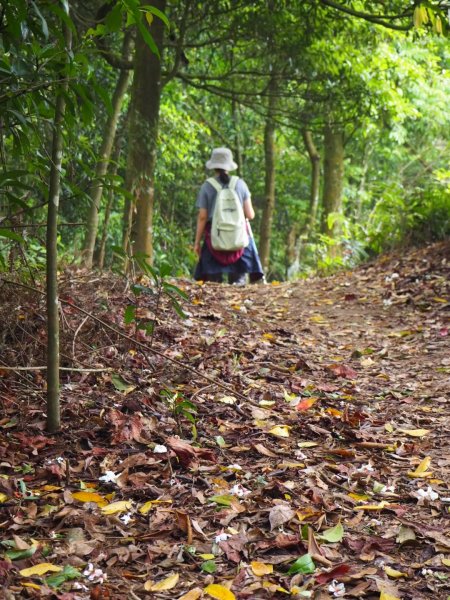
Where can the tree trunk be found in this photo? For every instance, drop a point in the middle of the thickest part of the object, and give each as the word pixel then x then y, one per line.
pixel 101 169
pixel 53 406
pixel 333 173
pixel 143 134
pixel 269 188
pixel 100 257
pixel 314 157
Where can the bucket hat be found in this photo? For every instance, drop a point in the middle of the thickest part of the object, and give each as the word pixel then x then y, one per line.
pixel 221 158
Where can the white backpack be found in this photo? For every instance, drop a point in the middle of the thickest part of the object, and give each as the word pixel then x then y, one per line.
pixel 229 227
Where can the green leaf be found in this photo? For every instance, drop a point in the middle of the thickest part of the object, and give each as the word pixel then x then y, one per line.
pixel 157 13
pixel 304 565
pixel 119 251
pixel 43 21
pixel 178 308
pixel 67 574
pixel 224 500
pixel 12 235
pixel 173 288
pixel 120 384
pixel 113 20
pixel 209 566
pixel 332 535
pixel 129 314
pixel 21 554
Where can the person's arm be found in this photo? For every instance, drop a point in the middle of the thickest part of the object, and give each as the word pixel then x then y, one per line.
pixel 202 218
pixel 248 209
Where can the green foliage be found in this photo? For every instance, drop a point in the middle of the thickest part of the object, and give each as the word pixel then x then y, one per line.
pixel 181 409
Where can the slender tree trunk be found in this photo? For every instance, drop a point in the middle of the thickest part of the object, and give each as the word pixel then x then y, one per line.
pixel 362 182
pixel 100 257
pixel 236 113
pixel 269 187
pixel 101 169
pixel 53 406
pixel 333 177
pixel 314 157
pixel 143 134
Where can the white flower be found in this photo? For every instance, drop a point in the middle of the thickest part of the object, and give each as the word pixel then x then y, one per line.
pixel 109 477
pixel 387 302
pixel 428 494
pixel 234 467
pixel 94 575
pixel 59 460
pixel 126 518
pixel 365 468
pixel 159 449
pixel 239 490
pixel 338 589
pixel 222 537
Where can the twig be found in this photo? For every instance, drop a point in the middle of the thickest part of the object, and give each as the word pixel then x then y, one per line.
pixel 75 336
pixel 43 367
pixel 137 343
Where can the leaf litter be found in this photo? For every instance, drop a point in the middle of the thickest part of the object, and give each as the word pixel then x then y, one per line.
pixel 321 473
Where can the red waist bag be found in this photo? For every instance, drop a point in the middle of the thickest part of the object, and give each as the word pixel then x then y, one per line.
pixel 222 257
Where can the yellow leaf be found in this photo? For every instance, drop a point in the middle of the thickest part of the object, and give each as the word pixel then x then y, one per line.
pixel 334 412
pixel 380 506
pixel 446 562
pixel 40 569
pixel 266 402
pixel 259 569
pixel 280 431
pixel 268 336
pixel 219 592
pixel 389 427
pixel 385 596
pixel 166 584
pixel 274 282
pixel 207 556
pixel 307 444
pixel 89 497
pixel 116 507
pixel 421 470
pixel 317 319
pixel 273 587
pixel 358 497
pixel 193 594
pixel 28 584
pixel 443 300
pixel 3 497
pixel 416 432
pixel 394 573
pixel 145 508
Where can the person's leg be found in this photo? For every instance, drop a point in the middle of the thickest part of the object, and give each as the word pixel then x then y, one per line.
pixel 257 278
pixel 237 278
pixel 215 278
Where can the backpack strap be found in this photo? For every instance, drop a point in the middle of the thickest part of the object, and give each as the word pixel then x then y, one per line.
pixel 217 186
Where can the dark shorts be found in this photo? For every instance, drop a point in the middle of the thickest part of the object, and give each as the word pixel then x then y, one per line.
pixel 209 269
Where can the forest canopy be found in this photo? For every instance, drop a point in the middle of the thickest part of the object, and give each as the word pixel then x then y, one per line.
pixel 336 112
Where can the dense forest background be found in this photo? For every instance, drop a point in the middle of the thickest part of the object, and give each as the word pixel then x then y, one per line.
pixel 336 112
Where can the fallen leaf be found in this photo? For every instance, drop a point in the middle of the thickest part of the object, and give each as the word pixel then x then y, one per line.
pixel 335 573
pixel 219 592
pixel 193 594
pixel 90 497
pixel 332 535
pixel 259 569
pixel 304 564
pixel 280 431
pixel 421 470
pixel 40 569
pixel 166 584
pixel 385 596
pixel 116 507
pixel 280 514
pixel 307 444
pixel 380 506
pixel 415 432
pixel 306 403
pixel 394 573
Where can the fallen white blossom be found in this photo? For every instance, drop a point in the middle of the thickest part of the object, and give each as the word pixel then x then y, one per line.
pixel 109 477
pixel 239 490
pixel 428 494
pixel 94 575
pixel 126 518
pixel 159 449
pixel 222 537
pixel 337 589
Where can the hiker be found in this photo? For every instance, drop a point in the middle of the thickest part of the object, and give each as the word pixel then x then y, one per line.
pixel 225 207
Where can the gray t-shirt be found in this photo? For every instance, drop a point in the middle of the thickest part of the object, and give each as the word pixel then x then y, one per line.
pixel 207 195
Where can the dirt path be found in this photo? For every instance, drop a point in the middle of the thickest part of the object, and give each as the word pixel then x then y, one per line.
pixel 338 457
